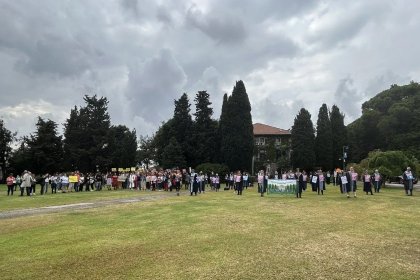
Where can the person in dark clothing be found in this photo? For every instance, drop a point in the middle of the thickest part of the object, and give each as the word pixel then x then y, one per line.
pixel 299 187
pixel 408 178
pixel 367 184
pixel 239 182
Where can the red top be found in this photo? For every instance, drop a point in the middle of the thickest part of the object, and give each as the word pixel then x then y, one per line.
pixel 10 180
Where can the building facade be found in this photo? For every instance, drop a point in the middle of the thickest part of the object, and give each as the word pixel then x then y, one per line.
pixel 272 148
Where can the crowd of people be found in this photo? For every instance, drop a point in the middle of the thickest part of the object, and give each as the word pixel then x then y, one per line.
pixel 196 182
pixel 153 180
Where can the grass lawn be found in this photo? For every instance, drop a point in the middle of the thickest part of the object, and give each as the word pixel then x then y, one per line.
pixel 17 202
pixel 219 236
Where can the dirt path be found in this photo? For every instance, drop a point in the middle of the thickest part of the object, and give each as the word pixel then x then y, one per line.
pixel 77 206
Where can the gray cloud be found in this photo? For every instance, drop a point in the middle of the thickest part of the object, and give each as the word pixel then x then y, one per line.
pixel 383 82
pixel 222 28
pixel 277 112
pixel 142 55
pixel 153 86
pixel 347 98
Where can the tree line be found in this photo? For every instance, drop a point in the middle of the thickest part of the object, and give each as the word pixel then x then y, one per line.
pixel 89 143
pixel 389 121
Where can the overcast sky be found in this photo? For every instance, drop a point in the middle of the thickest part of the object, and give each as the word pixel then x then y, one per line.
pixel 143 54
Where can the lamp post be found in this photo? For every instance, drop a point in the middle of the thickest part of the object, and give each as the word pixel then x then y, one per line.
pixel 345 149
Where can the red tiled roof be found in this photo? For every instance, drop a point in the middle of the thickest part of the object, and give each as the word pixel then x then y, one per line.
pixel 263 129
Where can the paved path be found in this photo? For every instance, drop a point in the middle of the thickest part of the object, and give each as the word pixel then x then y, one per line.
pixel 76 206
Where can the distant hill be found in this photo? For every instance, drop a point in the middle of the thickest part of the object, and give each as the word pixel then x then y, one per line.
pixel 389 121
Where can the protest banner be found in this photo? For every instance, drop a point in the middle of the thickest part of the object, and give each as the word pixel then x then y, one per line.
pixel 281 187
pixel 73 179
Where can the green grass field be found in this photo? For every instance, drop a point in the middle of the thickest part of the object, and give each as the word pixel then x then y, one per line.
pixel 215 236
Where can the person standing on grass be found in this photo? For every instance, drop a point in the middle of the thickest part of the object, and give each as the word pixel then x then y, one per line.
pixel 320 182
pixel 408 178
pixel 54 179
pixel 239 182
pixel 246 180
pixel 10 182
pixel 344 181
pixel 98 182
pixel 26 183
pixel 114 181
pixel 299 181
pixel 305 180
pixel 217 182
pixel 109 181
pixel 64 182
pixel 33 183
pixel 367 184
pixel 44 183
pixel 328 177
pixel 353 182
pixel 260 180
pixel 18 181
pixel 131 179
pixel 193 183
pixel 377 180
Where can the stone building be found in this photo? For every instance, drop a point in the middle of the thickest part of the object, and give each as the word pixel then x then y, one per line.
pixel 272 148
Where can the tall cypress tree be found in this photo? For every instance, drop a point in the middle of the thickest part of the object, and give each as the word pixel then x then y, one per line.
pixel 323 140
pixel 339 135
pixel 182 125
pixel 237 139
pixel 303 141
pixel 222 126
pixel 204 136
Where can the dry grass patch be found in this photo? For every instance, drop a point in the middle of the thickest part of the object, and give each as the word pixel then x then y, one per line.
pixel 221 236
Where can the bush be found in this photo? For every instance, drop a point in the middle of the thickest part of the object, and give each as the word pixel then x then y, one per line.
pixel 208 167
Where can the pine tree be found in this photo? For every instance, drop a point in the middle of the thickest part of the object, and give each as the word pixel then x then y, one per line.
pixel 323 140
pixel 204 137
pixel 45 148
pixel 172 155
pixel 237 139
pixel 303 141
pixel 6 138
pixel 180 127
pixel 146 151
pixel 339 135
pixel 122 146
pixel 86 135
pixel 75 142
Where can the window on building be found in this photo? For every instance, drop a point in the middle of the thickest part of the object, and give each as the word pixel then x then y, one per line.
pixel 260 141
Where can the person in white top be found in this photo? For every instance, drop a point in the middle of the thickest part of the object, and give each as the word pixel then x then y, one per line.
pixel 377 180
pixel 408 178
pixel 132 178
pixel 64 182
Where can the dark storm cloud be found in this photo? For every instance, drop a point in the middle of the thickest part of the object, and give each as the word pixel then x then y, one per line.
pixel 144 54
pixel 153 85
